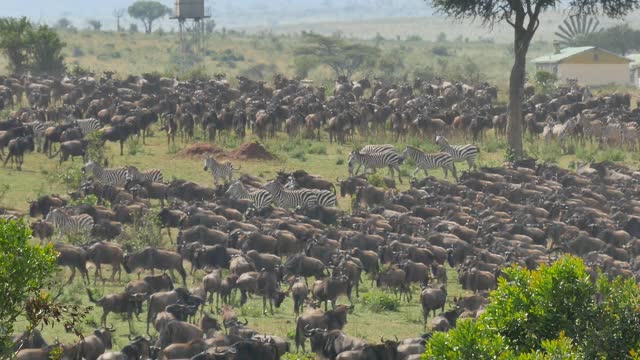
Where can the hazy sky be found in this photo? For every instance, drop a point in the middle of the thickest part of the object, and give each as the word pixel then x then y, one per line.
pixel 233 13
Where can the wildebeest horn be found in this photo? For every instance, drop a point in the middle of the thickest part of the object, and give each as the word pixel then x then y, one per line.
pixel 111 328
pixel 382 339
pixel 228 323
pixel 245 322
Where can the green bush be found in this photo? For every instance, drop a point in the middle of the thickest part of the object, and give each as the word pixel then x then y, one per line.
pixel 440 50
pixel 556 312
pixel 145 231
pixel 69 176
pixel 378 301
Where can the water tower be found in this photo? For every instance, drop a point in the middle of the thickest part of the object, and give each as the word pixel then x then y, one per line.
pixel 190 15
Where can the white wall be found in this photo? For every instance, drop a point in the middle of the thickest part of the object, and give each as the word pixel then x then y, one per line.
pixel 595 74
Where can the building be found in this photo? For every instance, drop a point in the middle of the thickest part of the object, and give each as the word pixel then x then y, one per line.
pixel 588 65
pixel 635 69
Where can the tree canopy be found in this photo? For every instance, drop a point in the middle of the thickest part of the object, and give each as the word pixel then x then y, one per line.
pixel 148 12
pixel 24 272
pixel 554 312
pixel 29 48
pixel 342 57
pixel 619 39
pixel 524 17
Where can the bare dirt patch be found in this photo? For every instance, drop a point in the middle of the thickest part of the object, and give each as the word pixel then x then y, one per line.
pixel 251 151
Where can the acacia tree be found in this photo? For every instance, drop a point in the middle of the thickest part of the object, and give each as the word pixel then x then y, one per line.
pixel 524 17
pixel 620 39
pixel 342 57
pixel 147 12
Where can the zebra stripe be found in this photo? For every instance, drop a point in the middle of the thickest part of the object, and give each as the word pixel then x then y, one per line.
pixel 376 149
pixel 326 198
pixel 425 161
pixel 291 198
pixel 260 198
pixel 38 128
pixel 69 224
pixel 88 126
pixel 468 152
pixel 390 159
pixel 150 175
pixel 222 171
pixel 115 177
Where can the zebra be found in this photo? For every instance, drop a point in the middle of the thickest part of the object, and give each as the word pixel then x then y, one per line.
pixel 219 170
pixel 468 152
pixel 326 198
pixel 69 224
pixel 375 149
pixel 371 149
pixel 291 198
pixel 260 198
pixel 88 126
pixel 390 159
pixel 150 175
pixel 425 161
pixel 38 128
pixel 115 177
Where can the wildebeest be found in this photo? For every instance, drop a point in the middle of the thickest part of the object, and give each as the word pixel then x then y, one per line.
pixel 17 148
pixel 151 258
pixel 122 303
pixel 316 318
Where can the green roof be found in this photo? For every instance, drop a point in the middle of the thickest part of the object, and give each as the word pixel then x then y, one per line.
pixel 563 54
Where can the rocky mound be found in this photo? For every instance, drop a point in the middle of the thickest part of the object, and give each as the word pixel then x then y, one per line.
pixel 251 151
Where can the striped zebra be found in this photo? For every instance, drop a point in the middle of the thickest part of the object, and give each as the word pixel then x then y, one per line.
pixel 291 198
pixel 115 177
pixel 219 170
pixel 67 224
pixel 390 159
pixel 88 126
pixel 425 161
pixel 371 149
pixel 38 128
pixel 468 152
pixel 375 149
pixel 326 198
pixel 260 198
pixel 150 175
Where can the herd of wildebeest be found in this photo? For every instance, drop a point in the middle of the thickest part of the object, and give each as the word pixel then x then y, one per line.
pixel 295 242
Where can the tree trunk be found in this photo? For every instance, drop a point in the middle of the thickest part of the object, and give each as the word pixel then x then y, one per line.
pixel 516 96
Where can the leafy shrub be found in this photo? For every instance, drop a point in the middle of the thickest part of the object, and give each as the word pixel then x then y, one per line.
pixel 69 176
pixel 318 149
pixel 376 180
pixel 134 146
pixel 297 356
pixel 495 144
pixel 555 312
pixel 414 38
pixel 615 155
pixel 440 50
pixel 86 200
pixel 378 301
pixel 144 232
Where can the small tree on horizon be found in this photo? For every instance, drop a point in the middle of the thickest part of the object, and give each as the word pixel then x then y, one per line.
pixel 118 14
pixel 96 25
pixel 148 12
